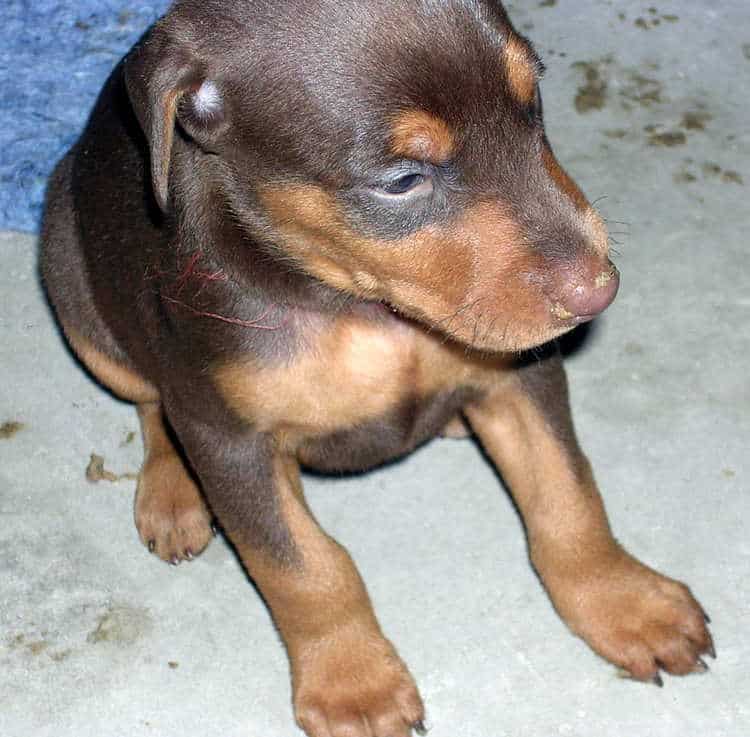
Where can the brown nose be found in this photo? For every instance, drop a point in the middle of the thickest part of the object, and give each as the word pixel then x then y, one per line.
pixel 585 292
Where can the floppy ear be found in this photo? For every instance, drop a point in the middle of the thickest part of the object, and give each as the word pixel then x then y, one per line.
pixel 167 83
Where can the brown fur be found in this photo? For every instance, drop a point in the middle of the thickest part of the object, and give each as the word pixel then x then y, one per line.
pixel 330 273
pixel 563 180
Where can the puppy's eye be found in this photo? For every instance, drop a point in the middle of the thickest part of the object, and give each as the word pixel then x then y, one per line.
pixel 406 185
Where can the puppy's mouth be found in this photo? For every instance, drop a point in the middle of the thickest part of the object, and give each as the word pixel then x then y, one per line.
pixel 485 323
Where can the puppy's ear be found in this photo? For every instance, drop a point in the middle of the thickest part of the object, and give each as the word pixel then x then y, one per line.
pixel 166 83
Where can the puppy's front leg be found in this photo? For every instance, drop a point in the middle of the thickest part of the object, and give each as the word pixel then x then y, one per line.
pixel 628 613
pixel 348 680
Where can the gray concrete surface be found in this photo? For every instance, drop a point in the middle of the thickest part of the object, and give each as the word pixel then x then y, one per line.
pixel 99 638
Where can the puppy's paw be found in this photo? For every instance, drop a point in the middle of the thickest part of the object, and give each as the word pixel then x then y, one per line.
pixel 636 618
pixel 350 685
pixel 170 514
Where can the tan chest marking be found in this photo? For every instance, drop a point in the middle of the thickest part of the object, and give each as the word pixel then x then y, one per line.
pixel 356 371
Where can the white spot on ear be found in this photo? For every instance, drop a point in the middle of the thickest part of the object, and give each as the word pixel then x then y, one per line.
pixel 207 100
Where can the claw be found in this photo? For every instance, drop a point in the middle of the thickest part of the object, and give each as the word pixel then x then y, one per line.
pixel 658 681
pixel 151 546
pixel 707 618
pixel 189 554
pixel 174 561
pixel 419 728
pixel 214 529
pixel 711 649
pixel 700 666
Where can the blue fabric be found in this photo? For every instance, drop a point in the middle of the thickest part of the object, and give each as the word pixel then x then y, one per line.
pixel 54 58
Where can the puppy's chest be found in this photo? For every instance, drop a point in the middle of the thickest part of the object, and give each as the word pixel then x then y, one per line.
pixel 350 375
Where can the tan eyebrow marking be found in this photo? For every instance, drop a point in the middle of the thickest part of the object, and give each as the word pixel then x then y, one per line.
pixel 521 70
pixel 417 134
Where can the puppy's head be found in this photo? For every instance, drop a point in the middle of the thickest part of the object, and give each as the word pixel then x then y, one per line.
pixel 394 150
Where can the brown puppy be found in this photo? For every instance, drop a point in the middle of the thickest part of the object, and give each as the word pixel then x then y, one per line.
pixel 318 232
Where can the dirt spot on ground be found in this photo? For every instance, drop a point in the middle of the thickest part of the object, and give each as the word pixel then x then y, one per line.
pixel 641 90
pixel 634 349
pixel 548 3
pixel 654 19
pixel 128 439
pixel 10 429
pixel 96 472
pixel 120 625
pixel 35 646
pixel 708 171
pixel 746 51
pixel 604 79
pixel 593 93
pixel 712 170
pixel 668 138
pixel 732 177
pixel 696 120
pixel 683 176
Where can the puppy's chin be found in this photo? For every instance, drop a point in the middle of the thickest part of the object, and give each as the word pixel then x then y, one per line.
pixel 513 340
pixel 485 334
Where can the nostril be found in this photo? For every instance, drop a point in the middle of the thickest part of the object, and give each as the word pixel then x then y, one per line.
pixel 585 296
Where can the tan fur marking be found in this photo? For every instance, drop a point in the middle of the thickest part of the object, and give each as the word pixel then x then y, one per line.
pixel 417 134
pixel 358 372
pixel 342 666
pixel 591 221
pixel 472 278
pixel 563 180
pixel 521 74
pixel 170 514
pixel 596 231
pixel 354 374
pixel 122 381
pixel 628 613
pixel 538 468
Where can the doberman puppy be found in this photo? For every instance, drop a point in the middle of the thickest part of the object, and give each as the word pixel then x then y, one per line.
pixel 318 232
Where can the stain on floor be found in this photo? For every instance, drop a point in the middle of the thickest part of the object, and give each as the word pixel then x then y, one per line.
pixel 10 429
pixel 593 93
pixel 33 646
pixel 605 80
pixel 639 89
pixel 691 172
pixel 668 138
pixel 654 19
pixel 96 472
pixel 696 120
pixel 121 624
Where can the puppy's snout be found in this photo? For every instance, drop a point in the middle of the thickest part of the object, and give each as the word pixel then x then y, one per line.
pixel 585 292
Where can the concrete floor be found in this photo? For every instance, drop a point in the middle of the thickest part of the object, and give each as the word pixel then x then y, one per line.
pixel 98 638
